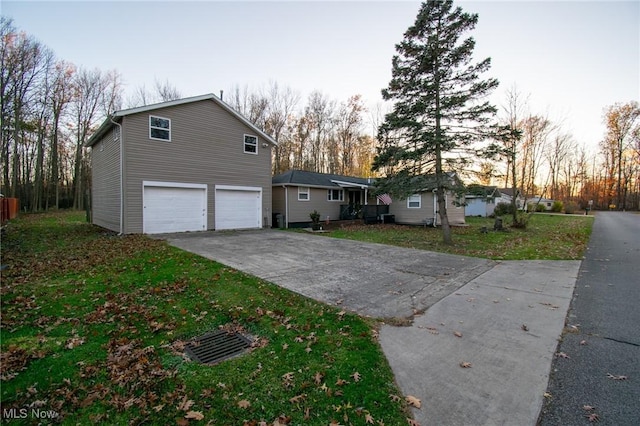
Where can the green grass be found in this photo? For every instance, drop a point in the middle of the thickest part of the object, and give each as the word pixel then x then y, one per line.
pixel 93 327
pixel 550 237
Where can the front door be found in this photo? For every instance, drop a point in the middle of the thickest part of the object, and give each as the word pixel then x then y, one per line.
pixel 355 198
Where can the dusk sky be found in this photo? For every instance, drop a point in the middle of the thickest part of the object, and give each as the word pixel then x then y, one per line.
pixel 572 58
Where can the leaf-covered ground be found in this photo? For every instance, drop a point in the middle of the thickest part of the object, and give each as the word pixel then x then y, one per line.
pixel 94 327
pixel 547 237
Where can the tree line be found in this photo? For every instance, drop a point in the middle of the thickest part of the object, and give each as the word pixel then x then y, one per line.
pixel 50 107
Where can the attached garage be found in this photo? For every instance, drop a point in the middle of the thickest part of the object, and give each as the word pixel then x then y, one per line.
pixel 238 207
pixel 173 207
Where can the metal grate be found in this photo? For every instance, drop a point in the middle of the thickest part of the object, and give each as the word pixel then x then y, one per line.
pixel 216 346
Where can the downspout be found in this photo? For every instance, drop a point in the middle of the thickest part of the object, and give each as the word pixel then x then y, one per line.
pixel 435 208
pixel 121 175
pixel 286 207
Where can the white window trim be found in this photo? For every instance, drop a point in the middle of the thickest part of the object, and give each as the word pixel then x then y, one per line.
pixel 409 201
pixel 330 194
pixel 244 144
pixel 308 192
pixel 159 128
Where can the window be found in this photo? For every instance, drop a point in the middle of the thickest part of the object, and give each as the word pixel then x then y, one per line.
pixel 414 201
pixel 303 193
pixel 250 144
pixel 335 195
pixel 159 128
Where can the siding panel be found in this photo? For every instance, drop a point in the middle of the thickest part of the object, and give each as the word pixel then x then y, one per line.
pixel 105 184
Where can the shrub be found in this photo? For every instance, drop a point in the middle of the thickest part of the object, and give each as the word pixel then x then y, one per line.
pixel 557 207
pixel 540 208
pixel 503 209
pixel 570 207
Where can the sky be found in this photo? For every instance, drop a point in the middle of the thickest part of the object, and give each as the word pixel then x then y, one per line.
pixel 571 59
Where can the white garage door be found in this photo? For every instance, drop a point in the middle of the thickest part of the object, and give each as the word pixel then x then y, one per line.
pixel 174 207
pixel 238 207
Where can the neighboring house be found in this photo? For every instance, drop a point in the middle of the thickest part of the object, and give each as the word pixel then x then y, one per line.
pixel 506 196
pixel 297 193
pixel 540 201
pixel 481 200
pixel 186 165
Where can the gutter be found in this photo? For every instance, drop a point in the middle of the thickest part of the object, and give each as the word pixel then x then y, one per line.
pixel 121 175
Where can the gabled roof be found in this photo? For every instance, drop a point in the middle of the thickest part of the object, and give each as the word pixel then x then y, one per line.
pixel 324 180
pixel 481 191
pixel 117 116
pixel 508 191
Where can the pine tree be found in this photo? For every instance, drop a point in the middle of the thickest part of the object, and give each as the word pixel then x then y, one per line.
pixel 439 104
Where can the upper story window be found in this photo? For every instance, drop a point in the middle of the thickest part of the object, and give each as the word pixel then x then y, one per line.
pixel 414 201
pixel 335 195
pixel 250 144
pixel 303 193
pixel 159 128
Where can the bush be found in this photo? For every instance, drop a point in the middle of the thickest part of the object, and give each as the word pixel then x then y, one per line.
pixel 503 209
pixel 557 207
pixel 570 207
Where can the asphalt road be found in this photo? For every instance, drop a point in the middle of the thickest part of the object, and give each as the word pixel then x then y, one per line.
pixel 597 363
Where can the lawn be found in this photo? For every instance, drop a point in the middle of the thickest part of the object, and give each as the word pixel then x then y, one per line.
pixel 94 327
pixel 550 237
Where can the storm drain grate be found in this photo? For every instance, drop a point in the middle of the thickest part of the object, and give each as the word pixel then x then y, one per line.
pixel 216 346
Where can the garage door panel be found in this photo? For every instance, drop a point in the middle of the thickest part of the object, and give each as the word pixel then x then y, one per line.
pixel 238 209
pixel 174 209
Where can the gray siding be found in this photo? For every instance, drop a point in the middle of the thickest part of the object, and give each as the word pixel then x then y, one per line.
pixel 105 183
pixel 299 210
pixel 206 147
pixel 403 214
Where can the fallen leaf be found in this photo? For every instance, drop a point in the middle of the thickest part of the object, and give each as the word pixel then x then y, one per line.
pixel 588 407
pixel 298 398
pixel 583 342
pixel 395 398
pixel 368 419
pixel 194 415
pixel 412 400
pixel 356 376
pixel 593 418
pixel 546 395
pixel 457 334
pixel 524 327
pixel 562 355
pixel 244 404
pixel 341 382
pixel 412 422
pixel 614 377
pixel 318 378
pixel 465 364
pixel 185 404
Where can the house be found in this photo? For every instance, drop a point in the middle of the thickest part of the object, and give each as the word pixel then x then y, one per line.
pixel 297 193
pixel 506 196
pixel 422 207
pixel 481 200
pixel 537 200
pixel 191 164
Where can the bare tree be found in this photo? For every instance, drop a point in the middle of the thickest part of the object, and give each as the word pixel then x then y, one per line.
pixel 348 127
pixel 622 121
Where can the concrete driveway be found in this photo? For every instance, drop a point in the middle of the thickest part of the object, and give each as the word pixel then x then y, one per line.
pixel 503 318
pixel 371 279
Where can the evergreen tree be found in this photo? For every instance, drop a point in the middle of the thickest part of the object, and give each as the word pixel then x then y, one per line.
pixel 439 105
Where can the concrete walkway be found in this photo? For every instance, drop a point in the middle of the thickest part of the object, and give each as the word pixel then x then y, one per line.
pixel 509 314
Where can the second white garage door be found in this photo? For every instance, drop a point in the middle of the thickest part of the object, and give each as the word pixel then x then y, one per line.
pixel 238 207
